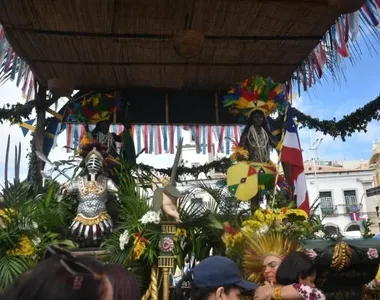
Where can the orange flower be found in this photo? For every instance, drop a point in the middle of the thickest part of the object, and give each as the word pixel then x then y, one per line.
pixel 139 245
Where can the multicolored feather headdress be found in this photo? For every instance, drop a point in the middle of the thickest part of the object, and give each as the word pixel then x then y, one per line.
pixel 96 108
pixel 256 93
pixel 259 246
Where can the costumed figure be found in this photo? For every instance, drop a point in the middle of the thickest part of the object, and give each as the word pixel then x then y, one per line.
pixel 166 198
pixel 263 256
pixel 99 109
pixel 92 221
pixel 255 99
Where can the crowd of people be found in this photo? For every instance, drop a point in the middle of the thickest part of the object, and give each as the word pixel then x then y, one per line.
pixel 61 276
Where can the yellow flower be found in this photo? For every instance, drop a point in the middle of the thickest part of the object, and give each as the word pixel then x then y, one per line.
pixel 230 240
pixel 25 247
pixel 252 225
pixel 237 152
pixel 259 216
pixel 297 212
pixel 138 250
pixel 139 246
pixel 180 232
pixel 6 213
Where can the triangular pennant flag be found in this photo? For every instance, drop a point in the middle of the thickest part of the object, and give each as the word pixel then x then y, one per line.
pixel 26 126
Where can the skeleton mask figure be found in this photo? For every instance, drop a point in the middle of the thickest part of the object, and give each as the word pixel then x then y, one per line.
pixel 92 221
pixel 94 164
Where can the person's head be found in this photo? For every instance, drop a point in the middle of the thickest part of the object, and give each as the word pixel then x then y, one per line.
pixel 264 253
pixel 297 267
pixel 103 126
pixel 124 283
pixel 60 276
pixel 216 277
pixel 270 267
pixel 257 118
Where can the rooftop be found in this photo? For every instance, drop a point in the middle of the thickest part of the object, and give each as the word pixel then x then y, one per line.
pixel 115 44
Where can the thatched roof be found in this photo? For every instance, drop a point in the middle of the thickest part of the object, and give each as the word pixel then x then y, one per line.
pixel 124 43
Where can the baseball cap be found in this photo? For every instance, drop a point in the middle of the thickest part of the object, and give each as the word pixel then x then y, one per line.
pixel 216 271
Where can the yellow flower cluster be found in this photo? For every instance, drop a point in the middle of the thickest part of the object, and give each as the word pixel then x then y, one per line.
pixel 267 218
pixel 180 232
pixel 238 152
pixel 231 240
pixel 25 248
pixel 6 213
pixel 262 220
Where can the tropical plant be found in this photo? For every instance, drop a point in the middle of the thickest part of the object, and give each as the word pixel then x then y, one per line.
pixel 29 221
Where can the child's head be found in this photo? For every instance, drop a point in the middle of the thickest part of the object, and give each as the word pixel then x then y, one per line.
pixel 297 267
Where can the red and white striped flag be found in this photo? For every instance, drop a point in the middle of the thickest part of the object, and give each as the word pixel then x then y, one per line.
pixel 291 156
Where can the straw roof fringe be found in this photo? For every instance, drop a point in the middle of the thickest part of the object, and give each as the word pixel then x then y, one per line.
pixel 118 44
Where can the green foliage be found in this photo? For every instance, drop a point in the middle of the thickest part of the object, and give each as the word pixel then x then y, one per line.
pixel 356 121
pixel 30 221
pixel 367 233
pixel 16 113
pixel 10 268
pixel 34 171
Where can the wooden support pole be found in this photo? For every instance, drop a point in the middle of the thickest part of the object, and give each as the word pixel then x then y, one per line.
pixel 166 108
pixel 216 108
pixel 40 127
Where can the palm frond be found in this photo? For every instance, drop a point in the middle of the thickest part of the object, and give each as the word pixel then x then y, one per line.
pixel 10 268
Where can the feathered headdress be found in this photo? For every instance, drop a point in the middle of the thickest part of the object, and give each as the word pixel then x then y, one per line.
pixel 98 107
pixel 258 247
pixel 256 93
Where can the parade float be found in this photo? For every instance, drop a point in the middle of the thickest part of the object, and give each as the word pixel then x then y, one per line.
pixel 120 211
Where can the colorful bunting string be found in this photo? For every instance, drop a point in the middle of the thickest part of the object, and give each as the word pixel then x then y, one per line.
pixel 337 44
pixel 12 67
pixel 159 139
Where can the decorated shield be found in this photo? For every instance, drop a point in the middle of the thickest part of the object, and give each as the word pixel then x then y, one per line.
pixel 242 181
pixel 266 175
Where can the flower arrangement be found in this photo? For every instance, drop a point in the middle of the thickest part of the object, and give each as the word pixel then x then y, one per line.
pixel 25 247
pixel 151 217
pixel 231 236
pixel 139 245
pixel 291 222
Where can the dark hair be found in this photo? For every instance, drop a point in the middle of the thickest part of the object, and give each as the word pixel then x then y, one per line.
pixel 195 292
pixel 53 279
pixel 124 284
pixel 295 266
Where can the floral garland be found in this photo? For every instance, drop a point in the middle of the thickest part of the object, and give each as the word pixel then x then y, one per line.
pixel 356 121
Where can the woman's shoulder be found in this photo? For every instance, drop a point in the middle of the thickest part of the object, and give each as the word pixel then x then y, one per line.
pixel 309 293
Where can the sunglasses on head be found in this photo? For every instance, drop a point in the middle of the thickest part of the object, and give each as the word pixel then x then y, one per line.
pixel 70 264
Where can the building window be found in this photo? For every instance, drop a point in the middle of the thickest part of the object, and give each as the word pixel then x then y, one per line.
pixel 353 227
pixel 350 199
pixel 326 203
pixel 332 229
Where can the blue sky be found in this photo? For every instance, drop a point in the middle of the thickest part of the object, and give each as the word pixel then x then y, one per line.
pixel 325 101
pixel 330 99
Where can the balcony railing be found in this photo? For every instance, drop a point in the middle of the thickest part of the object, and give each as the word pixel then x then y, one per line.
pixel 340 209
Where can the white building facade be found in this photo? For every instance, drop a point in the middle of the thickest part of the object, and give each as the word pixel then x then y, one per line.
pixel 341 196
pixel 337 188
